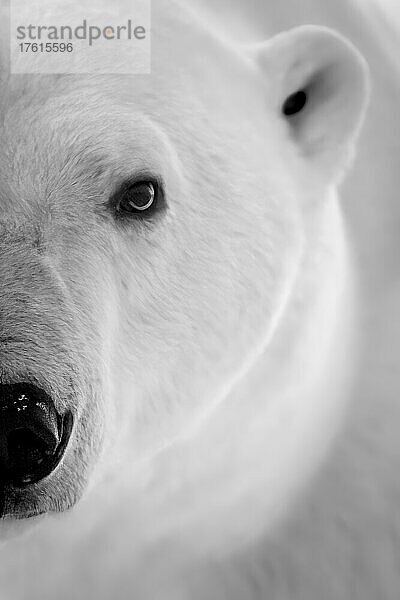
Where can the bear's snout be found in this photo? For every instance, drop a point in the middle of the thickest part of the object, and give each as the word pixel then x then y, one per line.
pixel 33 435
pixel 51 382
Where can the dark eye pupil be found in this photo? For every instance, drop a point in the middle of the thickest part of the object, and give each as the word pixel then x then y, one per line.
pixel 294 103
pixel 139 197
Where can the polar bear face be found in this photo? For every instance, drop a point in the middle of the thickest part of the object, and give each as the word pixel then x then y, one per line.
pixel 152 232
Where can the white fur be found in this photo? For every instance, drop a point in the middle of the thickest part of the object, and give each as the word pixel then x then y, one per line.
pixel 211 349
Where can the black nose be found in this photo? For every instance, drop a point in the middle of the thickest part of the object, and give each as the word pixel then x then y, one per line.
pixel 31 434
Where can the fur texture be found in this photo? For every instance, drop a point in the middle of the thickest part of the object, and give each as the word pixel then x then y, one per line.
pixel 144 329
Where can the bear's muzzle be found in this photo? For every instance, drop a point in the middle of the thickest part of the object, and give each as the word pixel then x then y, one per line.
pixel 33 435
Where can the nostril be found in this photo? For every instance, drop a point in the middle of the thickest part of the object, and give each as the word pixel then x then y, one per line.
pixel 32 434
pixel 26 451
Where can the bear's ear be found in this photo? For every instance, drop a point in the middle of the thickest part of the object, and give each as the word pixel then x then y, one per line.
pixel 320 87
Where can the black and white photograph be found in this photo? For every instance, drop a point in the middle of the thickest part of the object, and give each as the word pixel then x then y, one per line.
pixel 199 299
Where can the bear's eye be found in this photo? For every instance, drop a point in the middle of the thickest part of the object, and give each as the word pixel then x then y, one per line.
pixel 139 198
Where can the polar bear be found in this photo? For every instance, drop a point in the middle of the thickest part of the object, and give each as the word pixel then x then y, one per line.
pixel 172 247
